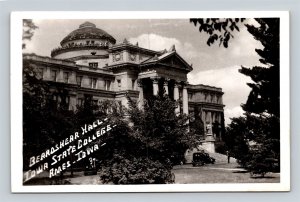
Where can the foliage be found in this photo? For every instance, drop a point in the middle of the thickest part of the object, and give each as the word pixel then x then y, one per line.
pixel 221 147
pixel 236 137
pixel 43 123
pixel 264 95
pixel 28 30
pixel 263 103
pixel 88 112
pixel 218 29
pixel 163 133
pixel 140 149
pixel 136 170
pixel 196 124
pixel 254 138
pixel 35 93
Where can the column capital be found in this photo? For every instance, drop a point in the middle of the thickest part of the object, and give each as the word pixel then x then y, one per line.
pixel 176 84
pixel 184 84
pixel 166 81
pixel 140 82
pixel 155 79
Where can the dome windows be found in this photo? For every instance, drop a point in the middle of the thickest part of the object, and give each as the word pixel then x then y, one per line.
pixel 93 64
pixel 83 40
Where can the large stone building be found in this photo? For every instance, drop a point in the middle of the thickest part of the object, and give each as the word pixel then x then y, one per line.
pixel 89 62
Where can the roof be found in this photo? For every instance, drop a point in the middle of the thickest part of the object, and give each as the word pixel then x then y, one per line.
pixel 165 55
pixel 202 87
pixel 158 58
pixel 127 45
pixel 88 30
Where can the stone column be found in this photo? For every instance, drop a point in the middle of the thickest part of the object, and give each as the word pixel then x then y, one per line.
pixel 185 101
pixel 166 87
pixel 203 117
pixel 72 78
pixel 141 93
pixel 47 73
pixel 155 86
pixel 73 101
pixel 176 97
pixel 60 76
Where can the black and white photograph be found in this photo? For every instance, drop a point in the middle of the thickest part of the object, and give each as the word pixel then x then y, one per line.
pixel 160 101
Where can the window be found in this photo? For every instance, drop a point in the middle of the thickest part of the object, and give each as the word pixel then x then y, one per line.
pixel 40 73
pixel 133 84
pixel 79 80
pixel 68 100
pixel 119 83
pixel 190 96
pixel 80 101
pixel 54 101
pixel 93 64
pixel 107 85
pixel 67 103
pixel 87 42
pixel 93 82
pixel 53 75
pixel 66 77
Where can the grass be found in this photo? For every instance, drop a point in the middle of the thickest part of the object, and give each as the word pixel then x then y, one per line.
pixel 184 174
pixel 219 173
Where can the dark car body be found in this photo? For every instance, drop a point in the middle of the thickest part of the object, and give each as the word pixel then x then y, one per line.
pixel 201 158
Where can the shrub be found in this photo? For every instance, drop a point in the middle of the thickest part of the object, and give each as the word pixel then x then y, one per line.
pixel 136 171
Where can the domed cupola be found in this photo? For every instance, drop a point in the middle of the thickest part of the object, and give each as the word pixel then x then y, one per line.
pixel 86 41
pixel 88 30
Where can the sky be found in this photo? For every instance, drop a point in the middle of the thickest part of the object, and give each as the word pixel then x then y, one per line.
pixel 212 65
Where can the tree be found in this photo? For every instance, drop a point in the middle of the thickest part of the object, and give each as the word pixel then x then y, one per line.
pixel 44 123
pixel 142 148
pixel 163 133
pixel 219 29
pixel 35 95
pixel 28 30
pixel 257 135
pixel 264 95
pixel 263 104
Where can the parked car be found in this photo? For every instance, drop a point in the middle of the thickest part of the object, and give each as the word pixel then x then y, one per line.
pixel 201 158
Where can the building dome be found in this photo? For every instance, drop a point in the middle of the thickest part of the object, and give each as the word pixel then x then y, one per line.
pixel 87 30
pixel 87 41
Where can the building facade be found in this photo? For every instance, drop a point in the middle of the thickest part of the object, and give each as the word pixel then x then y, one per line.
pixel 90 62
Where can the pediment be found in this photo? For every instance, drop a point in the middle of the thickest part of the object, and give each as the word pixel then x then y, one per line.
pixel 170 59
pixel 175 60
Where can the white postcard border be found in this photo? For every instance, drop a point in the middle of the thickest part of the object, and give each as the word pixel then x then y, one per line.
pixel 16 102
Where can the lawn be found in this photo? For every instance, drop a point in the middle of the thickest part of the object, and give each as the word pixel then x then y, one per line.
pixel 184 174
pixel 219 173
